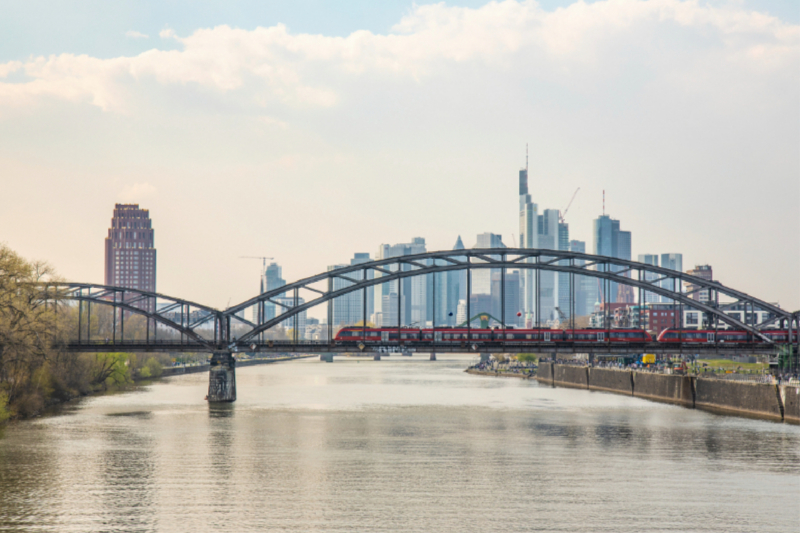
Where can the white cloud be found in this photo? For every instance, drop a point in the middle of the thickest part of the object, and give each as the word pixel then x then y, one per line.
pixel 136 35
pixel 575 46
pixel 136 192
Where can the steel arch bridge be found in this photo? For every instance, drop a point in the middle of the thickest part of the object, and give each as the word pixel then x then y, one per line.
pixel 202 328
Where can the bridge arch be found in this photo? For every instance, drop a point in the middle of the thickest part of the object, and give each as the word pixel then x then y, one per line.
pixel 605 268
pixel 137 302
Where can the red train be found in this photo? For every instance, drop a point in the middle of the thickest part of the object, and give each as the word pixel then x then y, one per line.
pixel 458 335
pixel 778 336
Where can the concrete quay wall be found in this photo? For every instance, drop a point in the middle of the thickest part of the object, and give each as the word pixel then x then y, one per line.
pixel 790 397
pixel 670 388
pixel 544 372
pixel 571 376
pixel 611 380
pixel 760 400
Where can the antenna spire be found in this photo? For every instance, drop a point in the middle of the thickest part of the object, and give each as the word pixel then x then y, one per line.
pixel 604 202
pixel 526 158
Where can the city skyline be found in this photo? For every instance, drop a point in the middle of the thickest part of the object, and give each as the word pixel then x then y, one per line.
pixel 314 167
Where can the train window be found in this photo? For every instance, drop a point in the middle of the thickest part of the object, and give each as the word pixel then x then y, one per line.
pixel 528 336
pixel 510 336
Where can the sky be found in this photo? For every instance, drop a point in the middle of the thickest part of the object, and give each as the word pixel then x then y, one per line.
pixel 309 130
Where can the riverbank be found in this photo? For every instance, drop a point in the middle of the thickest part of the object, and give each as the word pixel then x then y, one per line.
pixel 499 374
pixel 194 369
pixel 767 401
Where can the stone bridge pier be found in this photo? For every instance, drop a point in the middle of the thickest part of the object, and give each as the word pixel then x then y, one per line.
pixel 222 378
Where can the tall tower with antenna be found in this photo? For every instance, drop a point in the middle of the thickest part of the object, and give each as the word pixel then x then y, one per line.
pixel 528 238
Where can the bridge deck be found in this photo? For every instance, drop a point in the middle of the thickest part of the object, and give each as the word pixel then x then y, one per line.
pixel 427 347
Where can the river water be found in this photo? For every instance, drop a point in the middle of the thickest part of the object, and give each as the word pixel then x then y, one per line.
pixel 402 444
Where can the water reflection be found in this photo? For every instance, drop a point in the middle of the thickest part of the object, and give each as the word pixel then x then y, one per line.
pixel 394 446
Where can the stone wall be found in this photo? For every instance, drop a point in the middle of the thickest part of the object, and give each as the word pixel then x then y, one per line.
pixel 571 376
pixel 544 373
pixel 610 380
pixel 664 387
pixel 761 400
pixel 753 399
pixel 790 395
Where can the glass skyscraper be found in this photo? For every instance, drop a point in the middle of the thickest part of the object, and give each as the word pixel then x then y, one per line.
pixel 610 241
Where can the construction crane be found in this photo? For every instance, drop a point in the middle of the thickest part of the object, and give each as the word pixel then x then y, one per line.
pixel 264 265
pixel 263 259
pixel 562 215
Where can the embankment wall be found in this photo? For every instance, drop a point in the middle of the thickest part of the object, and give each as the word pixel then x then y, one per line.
pixel 790 395
pixel 761 400
pixel 670 388
pixel 752 399
pixel 610 380
pixel 571 376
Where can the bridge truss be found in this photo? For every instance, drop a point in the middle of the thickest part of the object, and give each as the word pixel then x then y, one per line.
pixel 202 328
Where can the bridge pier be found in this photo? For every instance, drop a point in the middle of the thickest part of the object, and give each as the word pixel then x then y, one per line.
pixel 376 357
pixel 327 357
pixel 433 356
pixel 222 378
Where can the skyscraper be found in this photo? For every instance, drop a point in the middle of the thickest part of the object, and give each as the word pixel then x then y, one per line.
pixel 456 292
pixel 482 277
pixel 412 291
pixel 672 262
pixel 512 293
pixel 130 254
pixel 585 286
pixel 528 238
pixel 349 308
pixel 272 280
pixel 610 241
pixel 548 238
pixel 702 272
pixel 649 259
pixel 563 278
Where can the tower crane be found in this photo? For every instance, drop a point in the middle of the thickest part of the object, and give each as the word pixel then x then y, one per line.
pixel 263 265
pixel 562 215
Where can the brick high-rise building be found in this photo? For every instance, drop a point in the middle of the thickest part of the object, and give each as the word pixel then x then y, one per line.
pixel 130 255
pixel 702 272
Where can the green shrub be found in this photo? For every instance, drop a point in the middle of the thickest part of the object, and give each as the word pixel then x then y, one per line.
pixel 4 412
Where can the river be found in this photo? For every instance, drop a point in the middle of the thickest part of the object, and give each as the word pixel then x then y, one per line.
pixel 402 444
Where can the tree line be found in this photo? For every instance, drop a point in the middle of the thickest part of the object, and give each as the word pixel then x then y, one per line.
pixel 36 321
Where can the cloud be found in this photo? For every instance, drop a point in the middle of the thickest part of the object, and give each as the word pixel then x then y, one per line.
pixel 136 35
pixel 577 47
pixel 136 192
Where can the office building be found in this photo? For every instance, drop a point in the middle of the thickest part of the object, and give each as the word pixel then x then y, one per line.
pixel 548 238
pixel 512 294
pixel 348 309
pixel 585 286
pixel 455 292
pixel 482 277
pixel 528 238
pixel 672 262
pixel 696 293
pixel 610 241
pixel 563 278
pixel 271 279
pixel 649 259
pixel 130 254
pixel 412 292
pixel 285 304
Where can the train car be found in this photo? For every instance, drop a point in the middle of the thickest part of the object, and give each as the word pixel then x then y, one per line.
pixel 357 334
pixel 449 335
pixel 722 336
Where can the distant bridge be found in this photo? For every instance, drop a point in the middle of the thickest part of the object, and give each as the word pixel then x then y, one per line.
pixel 199 328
